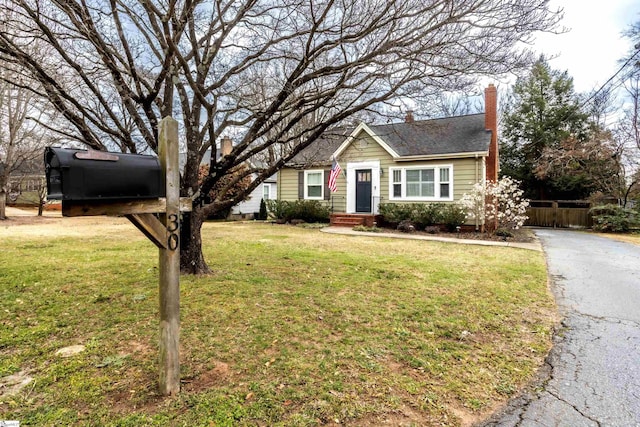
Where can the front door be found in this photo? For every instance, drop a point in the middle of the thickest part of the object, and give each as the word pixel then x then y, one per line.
pixel 363 190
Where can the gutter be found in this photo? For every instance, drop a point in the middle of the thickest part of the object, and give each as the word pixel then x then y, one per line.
pixel 477 223
pixel 471 154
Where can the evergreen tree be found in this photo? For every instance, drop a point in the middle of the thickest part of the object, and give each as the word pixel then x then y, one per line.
pixel 543 113
pixel 262 215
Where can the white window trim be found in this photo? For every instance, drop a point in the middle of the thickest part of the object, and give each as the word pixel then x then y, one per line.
pixel 403 183
pixel 306 186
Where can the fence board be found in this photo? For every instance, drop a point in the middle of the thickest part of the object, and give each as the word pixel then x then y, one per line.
pixel 559 213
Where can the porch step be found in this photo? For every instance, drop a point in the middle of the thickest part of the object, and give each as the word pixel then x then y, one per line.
pixel 352 220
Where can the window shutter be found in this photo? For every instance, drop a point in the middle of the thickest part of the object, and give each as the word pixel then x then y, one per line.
pixel 327 192
pixel 300 185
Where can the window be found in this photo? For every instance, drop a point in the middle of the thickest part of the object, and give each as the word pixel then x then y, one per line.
pixel 313 185
pixel 363 176
pixel 397 183
pixel 421 183
pixel 266 191
pixel 445 183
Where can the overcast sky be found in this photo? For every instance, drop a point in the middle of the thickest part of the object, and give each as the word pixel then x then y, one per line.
pixel 590 50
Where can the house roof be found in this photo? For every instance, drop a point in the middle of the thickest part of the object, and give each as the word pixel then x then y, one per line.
pixel 455 136
pixel 451 135
pixel 321 151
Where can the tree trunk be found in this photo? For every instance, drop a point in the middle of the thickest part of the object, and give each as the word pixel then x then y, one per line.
pixel 42 197
pixel 191 257
pixel 4 186
pixel 3 204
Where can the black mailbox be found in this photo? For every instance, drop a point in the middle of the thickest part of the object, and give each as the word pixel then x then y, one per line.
pixel 97 175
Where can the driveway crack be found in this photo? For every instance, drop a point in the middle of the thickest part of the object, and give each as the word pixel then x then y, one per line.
pixel 574 407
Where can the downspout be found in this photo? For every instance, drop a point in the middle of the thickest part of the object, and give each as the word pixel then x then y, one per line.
pixel 278 186
pixel 477 225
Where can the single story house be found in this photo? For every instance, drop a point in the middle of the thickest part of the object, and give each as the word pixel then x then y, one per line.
pixel 434 160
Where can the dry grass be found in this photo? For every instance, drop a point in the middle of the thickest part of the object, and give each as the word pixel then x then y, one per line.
pixel 628 238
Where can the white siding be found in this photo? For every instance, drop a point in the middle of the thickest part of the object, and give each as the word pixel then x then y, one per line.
pixel 252 204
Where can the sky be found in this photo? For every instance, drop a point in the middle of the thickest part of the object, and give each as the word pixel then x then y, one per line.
pixel 591 48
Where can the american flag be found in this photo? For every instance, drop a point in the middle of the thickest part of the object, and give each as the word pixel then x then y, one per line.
pixel 333 176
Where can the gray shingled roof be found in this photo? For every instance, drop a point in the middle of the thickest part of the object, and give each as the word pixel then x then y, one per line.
pixel 320 151
pixel 450 135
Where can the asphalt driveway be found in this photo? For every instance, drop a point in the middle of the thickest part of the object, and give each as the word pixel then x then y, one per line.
pixel 593 373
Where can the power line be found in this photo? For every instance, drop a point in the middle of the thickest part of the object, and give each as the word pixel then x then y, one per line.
pixel 610 79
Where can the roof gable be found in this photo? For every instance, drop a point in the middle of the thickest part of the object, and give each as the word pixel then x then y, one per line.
pixel 362 127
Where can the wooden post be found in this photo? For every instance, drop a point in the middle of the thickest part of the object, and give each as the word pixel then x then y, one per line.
pixel 164 232
pixel 169 285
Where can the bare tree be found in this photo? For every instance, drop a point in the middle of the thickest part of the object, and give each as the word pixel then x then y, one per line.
pixel 591 166
pixel 276 75
pixel 602 106
pixel 631 61
pixel 627 132
pixel 627 128
pixel 20 138
pixel 458 104
pixel 631 122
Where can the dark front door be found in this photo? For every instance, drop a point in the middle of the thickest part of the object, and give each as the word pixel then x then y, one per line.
pixel 363 190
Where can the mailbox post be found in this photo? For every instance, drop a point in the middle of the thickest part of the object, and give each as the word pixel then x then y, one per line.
pixel 170 262
pixel 138 187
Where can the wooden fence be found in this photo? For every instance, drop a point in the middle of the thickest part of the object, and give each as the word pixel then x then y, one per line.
pixel 559 213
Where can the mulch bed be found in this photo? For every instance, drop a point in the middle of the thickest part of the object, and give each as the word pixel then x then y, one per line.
pixel 522 235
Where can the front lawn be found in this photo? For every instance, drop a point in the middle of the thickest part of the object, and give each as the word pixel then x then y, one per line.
pixel 295 327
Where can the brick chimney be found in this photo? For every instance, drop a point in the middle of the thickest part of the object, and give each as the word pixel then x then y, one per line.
pixel 491 124
pixel 226 145
pixel 409 117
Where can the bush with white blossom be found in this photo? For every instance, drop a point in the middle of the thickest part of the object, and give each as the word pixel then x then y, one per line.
pixel 499 201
